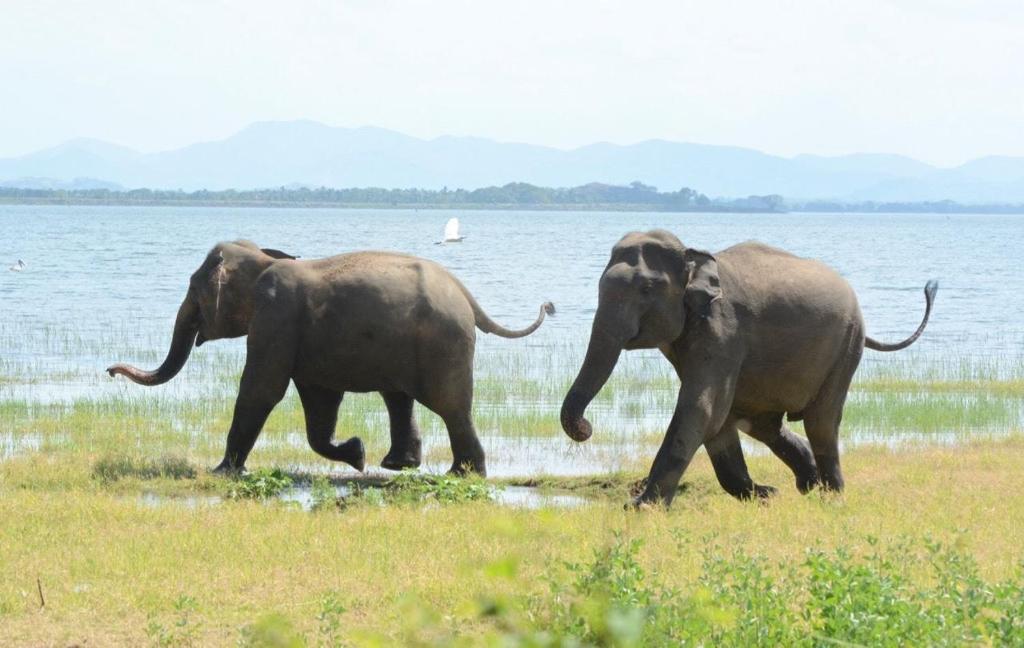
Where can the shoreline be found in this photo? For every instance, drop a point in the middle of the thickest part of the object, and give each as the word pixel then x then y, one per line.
pixel 566 207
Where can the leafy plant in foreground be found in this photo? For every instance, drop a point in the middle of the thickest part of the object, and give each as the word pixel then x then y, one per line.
pixel 183 631
pixel 411 488
pixel 262 483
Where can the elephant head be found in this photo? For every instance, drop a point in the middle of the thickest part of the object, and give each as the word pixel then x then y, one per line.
pixel 218 304
pixel 651 286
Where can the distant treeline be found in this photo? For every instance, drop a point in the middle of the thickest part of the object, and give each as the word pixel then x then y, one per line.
pixel 922 207
pixel 516 195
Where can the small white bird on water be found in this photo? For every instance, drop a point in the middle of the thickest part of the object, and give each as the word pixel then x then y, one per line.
pixel 451 232
pixel 19 266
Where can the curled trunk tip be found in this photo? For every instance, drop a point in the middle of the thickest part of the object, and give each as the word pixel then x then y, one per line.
pixel 185 331
pixel 578 428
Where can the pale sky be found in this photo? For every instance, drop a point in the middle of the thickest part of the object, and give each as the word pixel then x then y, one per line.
pixel 939 80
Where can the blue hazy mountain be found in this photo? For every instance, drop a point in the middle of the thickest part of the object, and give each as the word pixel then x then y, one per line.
pixel 272 154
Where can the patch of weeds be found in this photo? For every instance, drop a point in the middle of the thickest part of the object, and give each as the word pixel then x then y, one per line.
pixel 183 631
pixel 322 494
pixel 112 468
pixel 329 620
pixel 412 488
pixel 270 631
pixel 832 598
pixel 262 483
pixel 613 601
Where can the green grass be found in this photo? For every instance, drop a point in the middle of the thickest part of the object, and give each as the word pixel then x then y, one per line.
pixel 924 547
pixel 107 500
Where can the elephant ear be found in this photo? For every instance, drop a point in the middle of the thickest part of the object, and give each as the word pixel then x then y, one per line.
pixel 278 254
pixel 703 286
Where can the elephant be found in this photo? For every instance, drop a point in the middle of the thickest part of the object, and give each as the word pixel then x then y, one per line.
pixel 359 322
pixel 755 334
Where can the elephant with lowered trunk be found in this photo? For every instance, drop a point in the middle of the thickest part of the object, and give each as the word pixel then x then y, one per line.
pixel 367 321
pixel 755 335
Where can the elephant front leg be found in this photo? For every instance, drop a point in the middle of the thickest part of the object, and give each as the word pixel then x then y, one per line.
pixel 406 447
pixel 701 409
pixel 321 408
pixel 726 455
pixel 269 359
pixel 257 396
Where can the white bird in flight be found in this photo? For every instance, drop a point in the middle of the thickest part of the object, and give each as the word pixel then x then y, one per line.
pixel 451 232
pixel 19 266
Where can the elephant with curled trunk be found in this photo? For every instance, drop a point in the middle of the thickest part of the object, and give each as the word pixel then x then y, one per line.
pixel 755 335
pixel 360 322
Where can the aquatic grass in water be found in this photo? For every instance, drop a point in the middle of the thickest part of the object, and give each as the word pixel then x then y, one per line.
pixel 74 407
pixel 114 468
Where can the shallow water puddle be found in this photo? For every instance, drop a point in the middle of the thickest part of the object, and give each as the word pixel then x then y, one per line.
pixel 12 445
pixel 523 497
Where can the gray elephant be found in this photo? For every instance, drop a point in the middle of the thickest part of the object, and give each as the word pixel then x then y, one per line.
pixel 360 322
pixel 755 334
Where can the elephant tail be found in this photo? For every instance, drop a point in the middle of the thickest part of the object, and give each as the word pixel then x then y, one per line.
pixel 929 297
pixel 487 325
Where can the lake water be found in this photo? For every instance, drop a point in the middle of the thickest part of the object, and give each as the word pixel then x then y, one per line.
pixel 103 284
pixel 98 269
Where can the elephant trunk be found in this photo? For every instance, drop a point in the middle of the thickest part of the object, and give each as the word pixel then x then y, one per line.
pixel 602 355
pixel 186 326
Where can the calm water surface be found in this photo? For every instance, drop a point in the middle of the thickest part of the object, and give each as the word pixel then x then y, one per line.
pixel 93 268
pixel 102 278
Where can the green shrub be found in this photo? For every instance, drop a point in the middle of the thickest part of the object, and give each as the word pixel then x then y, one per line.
pixel 271 631
pixel 413 488
pixel 182 631
pixel 262 483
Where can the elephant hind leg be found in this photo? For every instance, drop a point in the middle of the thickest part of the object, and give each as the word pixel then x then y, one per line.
pixel 449 394
pixel 790 448
pixel 823 433
pixel 467 453
pixel 321 408
pixel 406 447
pixel 822 421
pixel 726 455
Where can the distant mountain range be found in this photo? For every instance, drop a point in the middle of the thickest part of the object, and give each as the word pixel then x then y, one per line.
pixel 306 153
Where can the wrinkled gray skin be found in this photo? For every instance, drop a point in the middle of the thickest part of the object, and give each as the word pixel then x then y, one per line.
pixel 361 322
pixel 754 334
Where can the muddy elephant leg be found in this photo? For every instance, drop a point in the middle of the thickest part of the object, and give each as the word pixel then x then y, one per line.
pixel 790 448
pixel 320 406
pixel 701 410
pixel 406 447
pixel 726 455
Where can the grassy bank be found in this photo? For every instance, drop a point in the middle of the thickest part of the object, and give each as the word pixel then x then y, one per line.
pixel 112 532
pixel 921 536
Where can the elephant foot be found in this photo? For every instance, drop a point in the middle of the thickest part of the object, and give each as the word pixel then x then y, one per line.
pixel 806 484
pixel 829 473
pixel 401 458
pixel 353 452
pixel 463 467
pixel 641 503
pixel 228 469
pixel 651 498
pixel 399 461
